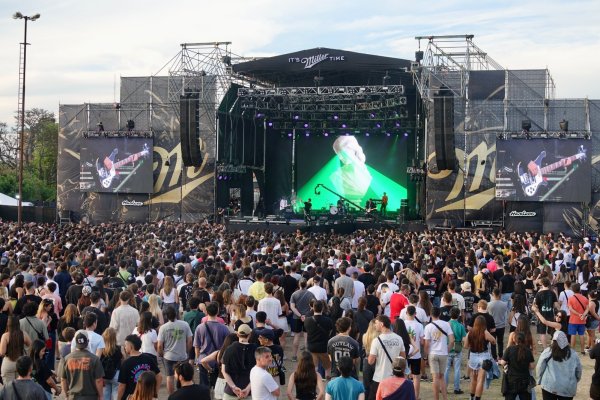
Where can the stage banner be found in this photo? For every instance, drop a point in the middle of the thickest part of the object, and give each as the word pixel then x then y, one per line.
pixel 564 217
pixel 524 216
pixel 544 170
pixel 177 192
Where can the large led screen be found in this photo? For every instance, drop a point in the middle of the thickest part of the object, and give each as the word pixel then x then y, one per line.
pixel 357 167
pixel 543 170
pixel 116 165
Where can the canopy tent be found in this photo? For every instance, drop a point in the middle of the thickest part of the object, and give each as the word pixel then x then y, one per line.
pixel 11 201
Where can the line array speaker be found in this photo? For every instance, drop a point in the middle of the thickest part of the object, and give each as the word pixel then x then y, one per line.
pixel 189 129
pixel 443 125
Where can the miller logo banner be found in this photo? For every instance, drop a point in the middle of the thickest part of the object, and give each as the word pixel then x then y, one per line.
pixel 311 61
pixel 522 213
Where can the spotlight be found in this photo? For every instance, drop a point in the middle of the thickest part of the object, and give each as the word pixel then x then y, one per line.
pixel 564 125
pixel 336 117
pixel 344 126
pixel 405 134
pixel 388 134
pixel 259 115
pixel 367 134
pixel 220 177
pixel 378 125
pixel 296 117
pixel 307 134
pixel 526 125
pixel 270 124
pixel 372 115
pixel 419 55
pixel 397 124
pixel 306 125
pixel 290 134
pixel 325 134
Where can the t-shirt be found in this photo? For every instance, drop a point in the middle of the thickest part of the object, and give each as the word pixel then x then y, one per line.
pixel 262 384
pixel 563 298
pixel 26 388
pixel 238 359
pixel 148 340
pixel 578 303
pixel 489 320
pixel 272 307
pixel 498 310
pixel 301 300
pixel 394 345
pixel 517 368
pixel 397 303
pixel 470 301
pixel 41 373
pixel 318 330
pixel 132 368
pixel 508 283
pixel 445 312
pixel 342 346
pixel 173 335
pixel 194 391
pixel 386 298
pixel 459 332
pixel 415 331
pixel 80 369
pixel 545 300
pixel 438 342
pixel 344 388
pixel 347 283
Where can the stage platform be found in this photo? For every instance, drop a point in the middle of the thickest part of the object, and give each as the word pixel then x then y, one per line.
pixel 343 227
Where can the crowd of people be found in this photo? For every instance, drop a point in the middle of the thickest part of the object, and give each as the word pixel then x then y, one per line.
pixel 111 311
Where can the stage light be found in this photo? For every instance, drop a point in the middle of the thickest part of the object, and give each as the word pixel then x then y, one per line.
pixel 388 134
pixel 526 125
pixel 306 125
pixel 372 115
pixel 270 124
pixel 367 134
pixel 336 117
pixel 296 117
pixel 259 115
pixel 325 134
pixel 397 124
pixel 419 55
pixel 378 125
pixel 220 177
pixel 344 126
pixel 564 125
pixel 405 134
pixel 307 134
pixel 290 134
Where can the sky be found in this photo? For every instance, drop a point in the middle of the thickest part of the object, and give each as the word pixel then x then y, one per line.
pixel 79 49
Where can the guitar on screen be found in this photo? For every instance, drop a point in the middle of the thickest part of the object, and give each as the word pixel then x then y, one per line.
pixel 107 168
pixel 533 177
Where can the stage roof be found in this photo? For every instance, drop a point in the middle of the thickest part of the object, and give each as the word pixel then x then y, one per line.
pixel 336 67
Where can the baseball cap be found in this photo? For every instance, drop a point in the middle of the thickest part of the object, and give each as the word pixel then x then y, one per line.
pixel 81 339
pixel 267 334
pixel 561 339
pixel 86 291
pixel 466 286
pixel 244 330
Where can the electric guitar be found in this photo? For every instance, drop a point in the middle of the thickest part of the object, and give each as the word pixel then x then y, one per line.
pixel 107 167
pixel 531 182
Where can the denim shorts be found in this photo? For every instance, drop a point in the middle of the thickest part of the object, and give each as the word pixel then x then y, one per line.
pixel 477 359
pixel 593 326
pixel 576 329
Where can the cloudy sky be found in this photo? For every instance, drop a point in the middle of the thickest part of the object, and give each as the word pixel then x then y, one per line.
pixel 80 48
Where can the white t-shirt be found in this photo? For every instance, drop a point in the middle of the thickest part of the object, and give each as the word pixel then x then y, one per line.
pixel 319 292
pixel 359 291
pixel 438 342
pixel 148 340
pixel 416 332
pixel 385 301
pixel 459 301
pixel 394 346
pixel 95 342
pixel 392 286
pixel 420 314
pixel 262 384
pixel 272 307
pixel 563 298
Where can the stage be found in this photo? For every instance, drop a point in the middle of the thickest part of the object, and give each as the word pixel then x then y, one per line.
pixel 342 227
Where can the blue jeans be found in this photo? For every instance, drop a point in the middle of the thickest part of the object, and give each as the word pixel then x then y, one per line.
pixel 506 297
pixel 110 387
pixel 456 360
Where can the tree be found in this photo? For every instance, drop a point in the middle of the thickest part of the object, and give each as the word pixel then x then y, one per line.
pixel 8 147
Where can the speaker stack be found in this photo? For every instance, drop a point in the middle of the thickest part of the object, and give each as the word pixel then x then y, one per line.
pixel 189 129
pixel 443 125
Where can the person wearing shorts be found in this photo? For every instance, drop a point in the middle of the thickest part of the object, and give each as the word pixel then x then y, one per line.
pixel 578 307
pixel 300 306
pixel 438 337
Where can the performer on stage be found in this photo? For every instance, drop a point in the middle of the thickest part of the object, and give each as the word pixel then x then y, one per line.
pixel 370 206
pixel 340 207
pixel 384 202
pixel 307 208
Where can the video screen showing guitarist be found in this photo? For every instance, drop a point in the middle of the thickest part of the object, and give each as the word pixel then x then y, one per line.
pixel 543 170
pixel 116 165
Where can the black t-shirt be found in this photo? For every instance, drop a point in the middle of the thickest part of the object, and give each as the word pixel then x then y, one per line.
pixel 429 289
pixel 445 312
pixel 203 295
pixel 489 321
pixel 194 391
pixel 318 331
pixel 508 283
pixel 102 320
pixel 545 300
pixel 115 283
pixel 132 368
pixel 367 279
pixel 342 346
pixel 40 374
pixel 516 368
pixel 289 285
pixel 238 360
pixel 434 279
pixel 372 304
pixel 595 355
pixel 470 301
pixel 28 298
pixel 185 294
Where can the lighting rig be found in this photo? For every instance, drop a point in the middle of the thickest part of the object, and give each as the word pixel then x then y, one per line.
pixel 527 134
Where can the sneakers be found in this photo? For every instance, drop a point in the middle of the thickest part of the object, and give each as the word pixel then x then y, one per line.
pixel 458 391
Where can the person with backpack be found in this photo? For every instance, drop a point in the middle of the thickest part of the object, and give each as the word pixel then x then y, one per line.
pixel 455 353
pixel 318 331
pixel 208 338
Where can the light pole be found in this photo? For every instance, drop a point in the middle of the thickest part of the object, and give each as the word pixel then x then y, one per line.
pixel 22 65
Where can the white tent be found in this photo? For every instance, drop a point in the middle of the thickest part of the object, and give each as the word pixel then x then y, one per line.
pixel 11 201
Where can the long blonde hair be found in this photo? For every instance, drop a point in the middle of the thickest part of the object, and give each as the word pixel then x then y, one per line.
pixel 71 312
pixel 168 285
pixel 110 342
pixel 369 336
pixel 154 306
pixel 4 293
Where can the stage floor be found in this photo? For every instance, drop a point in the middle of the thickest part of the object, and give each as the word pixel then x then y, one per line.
pixel 319 226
